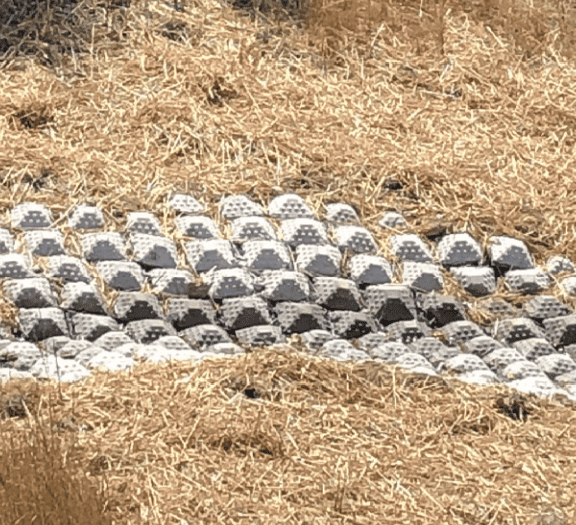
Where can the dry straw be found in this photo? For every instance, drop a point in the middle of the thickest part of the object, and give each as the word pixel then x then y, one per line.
pixel 281 435
pixel 457 114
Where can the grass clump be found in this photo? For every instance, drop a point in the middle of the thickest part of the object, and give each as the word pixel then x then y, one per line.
pixel 39 483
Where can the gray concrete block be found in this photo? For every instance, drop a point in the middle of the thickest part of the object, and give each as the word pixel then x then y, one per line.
pixel 34 292
pixel 68 269
pixel 153 251
pixel 38 324
pixel 83 297
pixel 31 216
pixel 44 243
pixel 85 217
pixel 121 275
pixel 234 206
pixel 143 222
pixel 289 206
pixel 183 203
pixel 356 239
pixel 341 213
pixel 318 260
pixel 103 246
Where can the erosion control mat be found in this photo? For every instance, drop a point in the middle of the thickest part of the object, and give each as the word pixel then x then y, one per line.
pixel 277 435
pixel 458 115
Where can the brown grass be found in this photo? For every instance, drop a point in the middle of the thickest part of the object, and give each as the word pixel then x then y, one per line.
pixel 467 105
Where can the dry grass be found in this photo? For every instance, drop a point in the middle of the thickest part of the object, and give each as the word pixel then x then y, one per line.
pixel 282 436
pixel 469 107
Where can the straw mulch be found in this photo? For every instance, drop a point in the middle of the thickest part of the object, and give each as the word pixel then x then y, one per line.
pixel 459 115
pixel 278 435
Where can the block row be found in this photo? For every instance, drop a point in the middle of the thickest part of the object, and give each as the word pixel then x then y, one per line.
pixel 530 365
